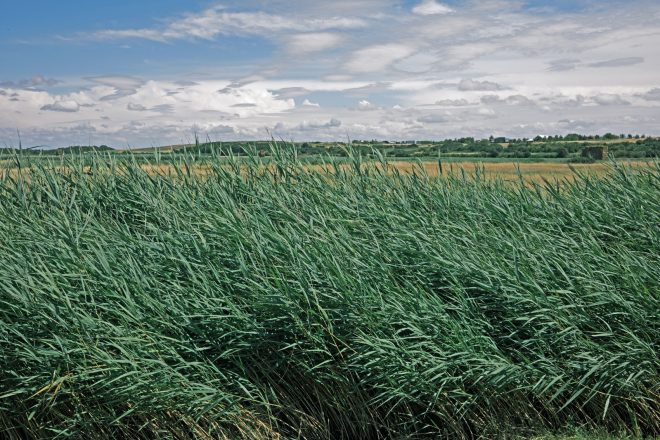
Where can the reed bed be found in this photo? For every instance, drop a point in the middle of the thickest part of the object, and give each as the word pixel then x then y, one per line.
pixel 282 302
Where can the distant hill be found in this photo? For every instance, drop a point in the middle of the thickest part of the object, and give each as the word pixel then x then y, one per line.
pixel 45 150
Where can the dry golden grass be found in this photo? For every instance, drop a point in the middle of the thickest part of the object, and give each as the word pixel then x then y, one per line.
pixel 508 171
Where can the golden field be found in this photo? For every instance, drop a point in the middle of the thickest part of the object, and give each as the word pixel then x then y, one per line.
pixel 534 171
pixel 508 171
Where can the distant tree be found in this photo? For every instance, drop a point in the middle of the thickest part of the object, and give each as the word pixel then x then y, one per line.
pixel 562 153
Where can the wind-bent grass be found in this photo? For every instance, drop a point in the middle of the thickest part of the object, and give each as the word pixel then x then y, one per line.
pixel 289 303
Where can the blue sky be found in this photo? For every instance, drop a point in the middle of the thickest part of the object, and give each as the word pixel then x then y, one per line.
pixel 153 72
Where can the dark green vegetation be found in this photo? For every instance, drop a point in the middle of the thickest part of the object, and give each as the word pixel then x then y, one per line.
pixel 562 148
pixel 287 303
pixel 508 149
pixel 74 149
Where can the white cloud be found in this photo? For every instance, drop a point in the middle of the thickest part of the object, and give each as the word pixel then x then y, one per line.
pixel 308 103
pixel 619 62
pixel 431 7
pixel 377 58
pixel 312 42
pixel 652 95
pixel 513 100
pixel 458 56
pixel 563 64
pixel 535 70
pixel 307 126
pixel 291 92
pixel 480 86
pixel 68 106
pixel 610 99
pixel 136 107
pixel 365 105
pixel 36 81
pixel 518 100
pixel 432 119
pixel 452 102
pixel 122 85
pixel 418 63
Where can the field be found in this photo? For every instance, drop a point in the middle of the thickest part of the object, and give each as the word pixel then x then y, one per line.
pixel 491 170
pixel 269 299
pixel 531 171
pixel 513 171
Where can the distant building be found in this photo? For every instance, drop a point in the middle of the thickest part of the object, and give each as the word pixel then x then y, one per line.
pixel 597 153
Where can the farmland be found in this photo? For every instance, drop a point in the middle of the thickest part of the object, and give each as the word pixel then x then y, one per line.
pixel 512 171
pixel 277 298
pixel 507 170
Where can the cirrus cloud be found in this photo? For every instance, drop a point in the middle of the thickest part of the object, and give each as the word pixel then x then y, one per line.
pixel 619 62
pixel 312 42
pixel 377 58
pixel 216 20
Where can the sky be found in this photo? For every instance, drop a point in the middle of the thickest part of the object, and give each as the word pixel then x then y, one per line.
pixel 155 72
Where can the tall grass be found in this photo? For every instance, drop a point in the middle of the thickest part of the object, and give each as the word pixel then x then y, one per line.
pixel 279 302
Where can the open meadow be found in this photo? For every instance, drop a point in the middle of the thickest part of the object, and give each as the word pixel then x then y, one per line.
pixel 259 298
pixel 512 171
pixel 506 170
